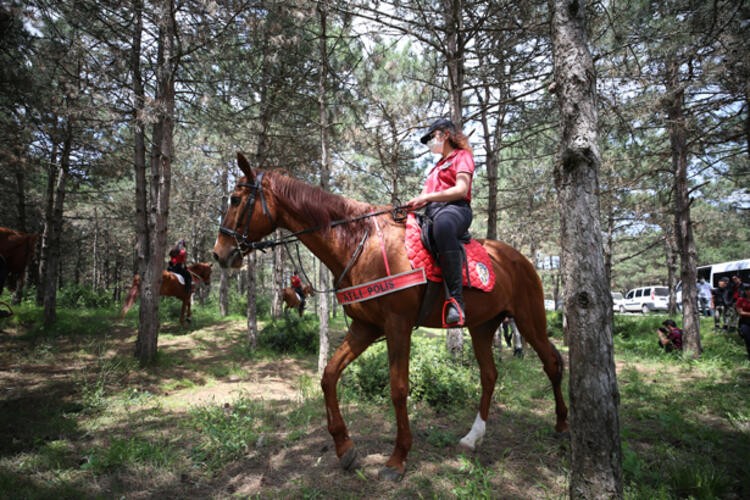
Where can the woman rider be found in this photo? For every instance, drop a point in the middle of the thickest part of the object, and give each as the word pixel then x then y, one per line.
pixel 447 197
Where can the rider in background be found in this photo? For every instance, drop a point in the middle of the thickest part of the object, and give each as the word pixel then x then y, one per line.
pixel 447 198
pixel 296 283
pixel 177 262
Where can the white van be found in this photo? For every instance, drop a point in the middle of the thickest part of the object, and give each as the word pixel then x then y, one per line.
pixel 714 272
pixel 646 299
pixel 727 270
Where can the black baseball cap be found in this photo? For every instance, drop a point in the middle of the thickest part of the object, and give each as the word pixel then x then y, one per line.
pixel 439 124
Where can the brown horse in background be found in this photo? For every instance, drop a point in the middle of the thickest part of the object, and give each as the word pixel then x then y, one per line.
pixel 291 300
pixel 171 287
pixel 263 201
pixel 16 251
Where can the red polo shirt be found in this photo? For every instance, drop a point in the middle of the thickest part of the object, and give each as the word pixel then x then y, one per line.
pixel 180 258
pixel 443 174
pixel 743 304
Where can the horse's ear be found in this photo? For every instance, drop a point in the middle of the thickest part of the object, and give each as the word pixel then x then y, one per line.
pixel 245 167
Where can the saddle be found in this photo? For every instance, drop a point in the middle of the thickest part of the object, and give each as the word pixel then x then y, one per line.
pixel 179 277
pixel 477 270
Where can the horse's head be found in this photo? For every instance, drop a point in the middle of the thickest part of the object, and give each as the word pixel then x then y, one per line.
pixel 202 270
pixel 247 219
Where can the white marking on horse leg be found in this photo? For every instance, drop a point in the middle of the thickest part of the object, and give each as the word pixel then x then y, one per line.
pixel 475 435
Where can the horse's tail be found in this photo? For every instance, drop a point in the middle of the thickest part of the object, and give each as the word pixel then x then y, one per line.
pixel 132 295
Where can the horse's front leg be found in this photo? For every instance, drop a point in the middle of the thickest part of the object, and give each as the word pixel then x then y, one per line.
pixel 359 338
pixel 399 346
pixel 481 341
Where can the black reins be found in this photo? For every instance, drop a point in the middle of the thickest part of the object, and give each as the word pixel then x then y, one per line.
pixel 245 246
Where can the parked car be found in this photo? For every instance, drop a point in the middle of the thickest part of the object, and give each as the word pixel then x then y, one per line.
pixel 646 299
pixel 618 300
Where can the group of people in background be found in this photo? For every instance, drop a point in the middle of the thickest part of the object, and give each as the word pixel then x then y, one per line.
pixel 723 301
pixel 730 304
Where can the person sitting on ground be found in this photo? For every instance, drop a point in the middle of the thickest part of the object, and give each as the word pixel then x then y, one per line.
pixel 743 311
pixel 670 337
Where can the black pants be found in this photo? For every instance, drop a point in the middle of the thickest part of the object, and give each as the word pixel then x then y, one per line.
pixel 182 271
pixel 745 334
pixel 450 221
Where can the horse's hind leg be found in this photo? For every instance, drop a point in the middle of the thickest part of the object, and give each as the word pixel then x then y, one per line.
pixel 481 341
pixel 534 330
pixel 359 338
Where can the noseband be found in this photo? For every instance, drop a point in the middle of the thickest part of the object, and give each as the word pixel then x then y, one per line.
pixel 244 245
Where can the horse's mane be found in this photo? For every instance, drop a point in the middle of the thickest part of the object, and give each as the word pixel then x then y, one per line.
pixel 320 208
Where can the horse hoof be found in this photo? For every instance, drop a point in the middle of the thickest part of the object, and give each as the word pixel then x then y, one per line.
pixel 348 460
pixel 468 445
pixel 390 474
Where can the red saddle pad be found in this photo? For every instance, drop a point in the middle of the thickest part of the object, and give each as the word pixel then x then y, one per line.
pixel 481 273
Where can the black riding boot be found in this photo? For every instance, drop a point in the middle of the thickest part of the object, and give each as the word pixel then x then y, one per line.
pixel 451 264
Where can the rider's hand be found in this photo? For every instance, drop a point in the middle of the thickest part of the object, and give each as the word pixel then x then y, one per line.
pixel 417 202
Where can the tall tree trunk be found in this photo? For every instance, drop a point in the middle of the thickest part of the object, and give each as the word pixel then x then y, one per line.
pixel 277 278
pixel 454 46
pixel 139 160
pixel 161 174
pixel 683 227
pixel 52 174
pixel 21 207
pixel 324 174
pixel 224 278
pixel 454 55
pixel 492 142
pixel 596 465
pixel 670 251
pixel 252 305
pixel 51 276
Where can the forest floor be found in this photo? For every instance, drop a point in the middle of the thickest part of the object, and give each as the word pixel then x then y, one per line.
pixel 80 419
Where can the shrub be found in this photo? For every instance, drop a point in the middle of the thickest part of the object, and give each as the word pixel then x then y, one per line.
pixel 438 379
pixel 238 304
pixel 368 376
pixel 75 296
pixel 434 376
pixel 292 335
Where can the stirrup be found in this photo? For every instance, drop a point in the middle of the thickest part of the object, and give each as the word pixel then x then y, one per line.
pixel 452 302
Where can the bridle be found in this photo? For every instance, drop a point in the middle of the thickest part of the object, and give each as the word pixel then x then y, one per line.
pixel 196 276
pixel 244 245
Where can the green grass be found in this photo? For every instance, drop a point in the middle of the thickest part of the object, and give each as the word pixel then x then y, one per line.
pixel 93 424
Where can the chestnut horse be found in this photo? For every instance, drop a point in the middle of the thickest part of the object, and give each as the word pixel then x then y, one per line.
pixel 336 230
pixel 16 251
pixel 171 287
pixel 291 300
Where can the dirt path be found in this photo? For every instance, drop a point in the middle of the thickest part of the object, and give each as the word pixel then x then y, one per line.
pixel 45 383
